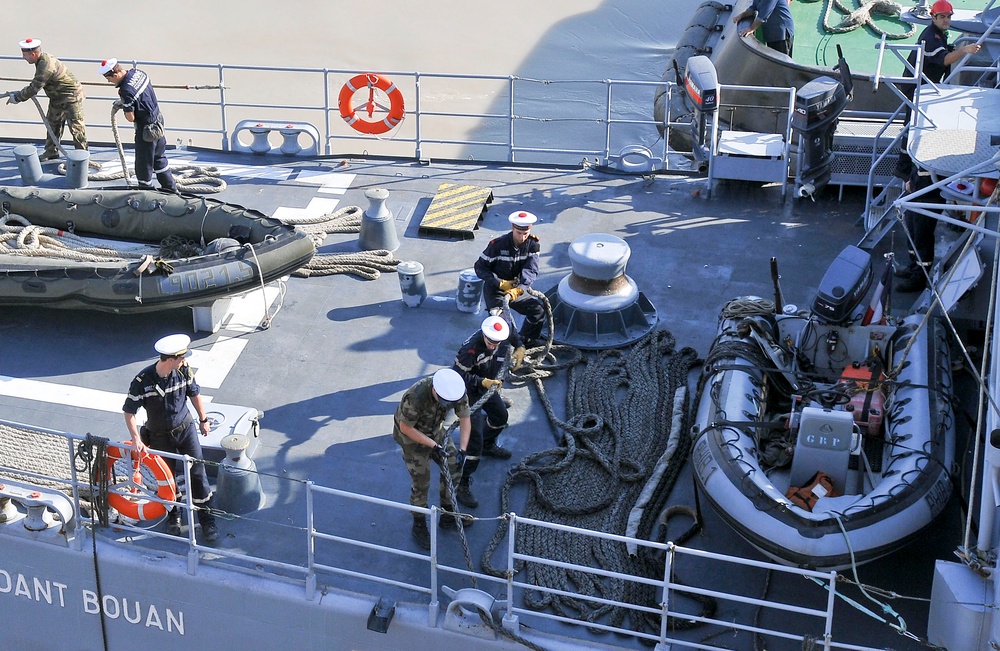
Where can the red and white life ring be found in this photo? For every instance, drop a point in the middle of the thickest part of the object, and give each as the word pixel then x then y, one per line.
pixel 129 499
pixel 371 82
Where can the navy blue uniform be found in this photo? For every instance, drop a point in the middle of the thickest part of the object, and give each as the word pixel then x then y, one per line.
pixel 476 362
pixel 779 28
pixel 138 97
pixel 169 426
pixel 503 260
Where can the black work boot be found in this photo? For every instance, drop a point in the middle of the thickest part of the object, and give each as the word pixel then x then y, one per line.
pixel 174 522
pixel 420 531
pixel 209 530
pixel 915 283
pixel 464 493
pixel 493 450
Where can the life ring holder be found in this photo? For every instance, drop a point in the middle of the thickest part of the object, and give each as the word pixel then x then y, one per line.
pixel 128 499
pixel 371 81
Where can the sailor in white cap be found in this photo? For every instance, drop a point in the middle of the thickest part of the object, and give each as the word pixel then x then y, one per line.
pixel 163 389
pixel 418 428
pixel 64 92
pixel 509 266
pixel 139 104
pixel 480 361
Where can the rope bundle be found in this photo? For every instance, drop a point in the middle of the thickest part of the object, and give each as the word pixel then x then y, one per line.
pixel 619 404
pixel 862 17
pixel 19 237
pixel 367 265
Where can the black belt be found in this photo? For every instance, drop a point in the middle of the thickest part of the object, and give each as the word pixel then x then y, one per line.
pixel 177 430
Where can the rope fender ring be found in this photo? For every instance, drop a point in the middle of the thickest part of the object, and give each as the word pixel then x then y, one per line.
pixel 131 504
pixel 371 82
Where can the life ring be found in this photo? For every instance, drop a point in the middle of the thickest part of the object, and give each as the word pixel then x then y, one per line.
pixel 371 82
pixel 129 500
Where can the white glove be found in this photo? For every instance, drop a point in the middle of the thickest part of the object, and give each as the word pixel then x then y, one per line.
pixel 12 97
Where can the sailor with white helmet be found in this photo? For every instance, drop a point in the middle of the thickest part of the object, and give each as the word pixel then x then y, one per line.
pixel 480 361
pixel 418 428
pixel 508 266
pixel 163 389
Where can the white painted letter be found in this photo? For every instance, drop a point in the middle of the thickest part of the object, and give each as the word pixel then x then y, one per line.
pixel 22 587
pixel 111 611
pixel 61 587
pixel 90 602
pixel 138 612
pixel 5 585
pixel 173 621
pixel 153 618
pixel 43 592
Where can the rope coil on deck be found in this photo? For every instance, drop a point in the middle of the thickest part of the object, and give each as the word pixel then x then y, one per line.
pixel 863 17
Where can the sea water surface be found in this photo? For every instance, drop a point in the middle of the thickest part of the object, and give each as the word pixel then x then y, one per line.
pixel 538 39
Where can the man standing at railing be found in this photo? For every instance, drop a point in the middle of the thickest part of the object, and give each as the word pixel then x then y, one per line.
pixel 939 55
pixel 138 101
pixel 418 428
pixel 163 389
pixel 65 97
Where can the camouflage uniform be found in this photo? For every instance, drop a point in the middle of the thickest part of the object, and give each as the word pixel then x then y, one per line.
pixel 65 100
pixel 422 411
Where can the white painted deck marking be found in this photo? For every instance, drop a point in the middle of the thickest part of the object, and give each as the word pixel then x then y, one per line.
pixel 64 394
pixel 316 208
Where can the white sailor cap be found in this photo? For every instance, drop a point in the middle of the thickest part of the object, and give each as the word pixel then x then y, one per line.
pixel 522 219
pixel 30 44
pixel 449 385
pixel 107 66
pixel 495 329
pixel 173 345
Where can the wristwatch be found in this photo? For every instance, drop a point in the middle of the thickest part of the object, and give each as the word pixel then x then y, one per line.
pixel 204 420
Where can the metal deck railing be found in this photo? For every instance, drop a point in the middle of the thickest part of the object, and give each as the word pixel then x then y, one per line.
pixel 318 562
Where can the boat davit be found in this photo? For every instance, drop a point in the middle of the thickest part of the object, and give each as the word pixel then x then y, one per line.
pixel 136 250
pixel 825 436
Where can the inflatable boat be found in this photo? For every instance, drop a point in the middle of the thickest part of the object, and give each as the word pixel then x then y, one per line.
pixel 820 27
pixel 136 250
pixel 823 439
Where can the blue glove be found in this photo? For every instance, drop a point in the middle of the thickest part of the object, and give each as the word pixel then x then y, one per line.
pixel 12 97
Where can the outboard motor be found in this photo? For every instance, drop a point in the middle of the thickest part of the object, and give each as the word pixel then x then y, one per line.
pixel 844 285
pixel 818 105
pixel 701 83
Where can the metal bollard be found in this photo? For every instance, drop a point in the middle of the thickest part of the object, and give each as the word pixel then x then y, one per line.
pixel 77 165
pixel 470 291
pixel 28 164
pixel 239 489
pixel 411 283
pixel 378 232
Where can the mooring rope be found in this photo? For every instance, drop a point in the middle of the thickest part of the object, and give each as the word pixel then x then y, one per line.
pixel 20 237
pixel 862 16
pixel 619 404
pixel 367 265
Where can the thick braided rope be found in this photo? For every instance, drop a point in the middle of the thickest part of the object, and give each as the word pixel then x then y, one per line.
pixel 19 237
pixel 862 17
pixel 619 404
pixel 367 265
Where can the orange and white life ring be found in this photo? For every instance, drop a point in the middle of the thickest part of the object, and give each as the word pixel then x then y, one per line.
pixel 395 110
pixel 129 498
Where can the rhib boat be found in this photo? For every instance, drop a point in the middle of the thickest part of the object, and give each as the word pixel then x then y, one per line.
pixel 822 438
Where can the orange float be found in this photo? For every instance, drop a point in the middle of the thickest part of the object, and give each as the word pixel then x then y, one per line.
pixel 131 502
pixel 371 82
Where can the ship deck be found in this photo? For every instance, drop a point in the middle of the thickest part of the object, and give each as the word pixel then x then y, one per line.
pixel 339 352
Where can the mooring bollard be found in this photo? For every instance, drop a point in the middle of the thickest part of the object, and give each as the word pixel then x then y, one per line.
pixel 77 166
pixel 470 291
pixel 411 283
pixel 378 232
pixel 239 490
pixel 28 165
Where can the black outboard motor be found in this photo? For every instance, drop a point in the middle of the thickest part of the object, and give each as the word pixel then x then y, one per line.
pixel 818 104
pixel 844 285
pixel 701 83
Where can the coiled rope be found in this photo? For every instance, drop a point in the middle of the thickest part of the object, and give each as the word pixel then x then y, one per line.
pixel 862 16
pixel 367 265
pixel 20 237
pixel 619 405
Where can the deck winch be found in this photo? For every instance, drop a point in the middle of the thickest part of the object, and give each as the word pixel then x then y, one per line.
pixel 597 305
